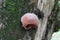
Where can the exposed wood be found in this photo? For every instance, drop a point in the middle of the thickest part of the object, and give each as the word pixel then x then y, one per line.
pixel 41 29
pixel 46 7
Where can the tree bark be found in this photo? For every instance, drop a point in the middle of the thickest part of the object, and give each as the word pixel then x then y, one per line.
pixel 46 7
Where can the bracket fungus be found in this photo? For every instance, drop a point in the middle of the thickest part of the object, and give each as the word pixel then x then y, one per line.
pixel 29 20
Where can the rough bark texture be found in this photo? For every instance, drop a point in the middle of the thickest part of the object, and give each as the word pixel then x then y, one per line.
pixel 46 6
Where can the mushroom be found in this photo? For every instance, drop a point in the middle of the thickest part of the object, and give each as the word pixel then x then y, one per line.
pixel 29 20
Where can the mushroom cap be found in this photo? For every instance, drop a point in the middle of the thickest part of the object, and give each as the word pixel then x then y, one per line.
pixel 29 18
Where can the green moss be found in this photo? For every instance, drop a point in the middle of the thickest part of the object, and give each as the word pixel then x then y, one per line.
pixel 13 11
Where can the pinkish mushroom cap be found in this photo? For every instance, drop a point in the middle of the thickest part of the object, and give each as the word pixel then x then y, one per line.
pixel 29 18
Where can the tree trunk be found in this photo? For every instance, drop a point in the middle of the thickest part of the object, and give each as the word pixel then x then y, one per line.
pixel 46 7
